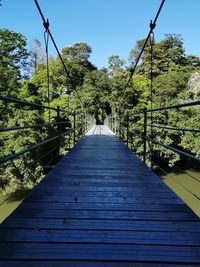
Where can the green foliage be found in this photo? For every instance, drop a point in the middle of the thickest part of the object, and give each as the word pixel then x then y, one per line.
pixel 190 141
pixel 23 170
pixel 102 92
pixel 13 56
pixel 173 51
pixel 77 53
pixel 115 63
pixel 175 80
pixel 170 86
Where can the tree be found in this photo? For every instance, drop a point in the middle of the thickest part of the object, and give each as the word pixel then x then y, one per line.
pixel 76 58
pixel 13 56
pixel 170 86
pixel 172 70
pixel 135 52
pixel 174 51
pixel 95 91
pixel 194 87
pixel 144 68
pixel 77 53
pixel 37 53
pixel 168 55
pixel 115 63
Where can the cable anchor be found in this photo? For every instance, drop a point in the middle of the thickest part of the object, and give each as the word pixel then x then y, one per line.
pixel 152 26
pixel 46 25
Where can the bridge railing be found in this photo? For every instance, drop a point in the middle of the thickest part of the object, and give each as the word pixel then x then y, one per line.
pixel 35 136
pixel 142 125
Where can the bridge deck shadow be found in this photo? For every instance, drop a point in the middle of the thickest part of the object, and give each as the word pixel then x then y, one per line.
pixel 101 206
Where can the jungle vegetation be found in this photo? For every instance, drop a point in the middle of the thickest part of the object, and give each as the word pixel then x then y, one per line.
pixel 103 92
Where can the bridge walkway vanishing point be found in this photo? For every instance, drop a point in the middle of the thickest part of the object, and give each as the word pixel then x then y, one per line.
pixel 101 206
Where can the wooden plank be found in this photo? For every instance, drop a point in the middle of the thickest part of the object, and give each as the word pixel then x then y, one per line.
pixel 157 226
pixel 101 252
pixel 90 214
pixel 96 236
pixel 108 194
pixel 106 206
pixel 94 181
pixel 108 248
pixel 82 263
pixel 77 185
pixel 102 199
pixel 131 191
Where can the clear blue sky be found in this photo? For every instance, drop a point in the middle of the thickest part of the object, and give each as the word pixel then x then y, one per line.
pixel 110 27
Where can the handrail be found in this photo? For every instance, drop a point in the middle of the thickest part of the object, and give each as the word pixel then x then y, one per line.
pixel 31 126
pixel 58 122
pixel 185 154
pixel 25 103
pixel 146 138
pixel 24 151
pixel 187 104
pixel 169 128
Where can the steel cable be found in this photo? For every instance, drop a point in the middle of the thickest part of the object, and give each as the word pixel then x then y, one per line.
pixel 152 27
pixel 46 26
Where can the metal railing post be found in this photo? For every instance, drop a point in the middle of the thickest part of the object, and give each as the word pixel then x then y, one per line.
pixel 119 127
pixel 58 130
pixel 127 129
pixel 144 135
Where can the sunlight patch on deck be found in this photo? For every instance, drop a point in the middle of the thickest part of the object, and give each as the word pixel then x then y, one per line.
pixel 100 130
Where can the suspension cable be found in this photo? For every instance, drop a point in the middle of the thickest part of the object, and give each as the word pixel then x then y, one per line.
pixel 151 88
pixel 152 27
pixel 46 26
pixel 46 40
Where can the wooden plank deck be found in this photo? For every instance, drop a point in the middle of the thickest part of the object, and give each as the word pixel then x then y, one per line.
pixel 101 206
